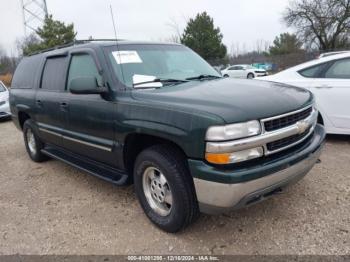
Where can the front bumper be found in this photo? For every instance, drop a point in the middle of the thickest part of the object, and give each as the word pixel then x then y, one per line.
pixel 5 111
pixel 261 74
pixel 220 190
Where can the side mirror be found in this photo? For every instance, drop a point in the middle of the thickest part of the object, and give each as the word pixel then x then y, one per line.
pixel 85 86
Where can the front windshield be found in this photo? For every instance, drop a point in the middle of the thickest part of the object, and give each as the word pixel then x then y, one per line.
pixel 159 61
pixel 2 87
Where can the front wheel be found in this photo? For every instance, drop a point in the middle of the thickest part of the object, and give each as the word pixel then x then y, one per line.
pixel 250 76
pixel 165 188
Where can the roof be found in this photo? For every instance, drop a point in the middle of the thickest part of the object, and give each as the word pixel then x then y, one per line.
pixel 332 53
pixel 99 42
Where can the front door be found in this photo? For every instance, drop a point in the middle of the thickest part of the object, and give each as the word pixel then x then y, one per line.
pixel 89 120
pixel 237 71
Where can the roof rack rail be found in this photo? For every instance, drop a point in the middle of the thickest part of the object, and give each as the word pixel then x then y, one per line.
pixel 75 42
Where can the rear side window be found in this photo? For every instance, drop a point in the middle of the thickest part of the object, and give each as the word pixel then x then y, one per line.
pixel 314 72
pixel 340 69
pixel 83 65
pixel 2 87
pixel 27 72
pixel 54 74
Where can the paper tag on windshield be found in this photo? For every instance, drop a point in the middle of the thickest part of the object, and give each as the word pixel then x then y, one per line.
pixel 127 57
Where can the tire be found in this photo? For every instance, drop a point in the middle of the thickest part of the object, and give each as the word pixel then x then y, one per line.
pixel 32 142
pixel 165 162
pixel 226 75
pixel 250 76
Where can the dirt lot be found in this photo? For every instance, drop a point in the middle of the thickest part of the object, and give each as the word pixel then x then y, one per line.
pixel 52 208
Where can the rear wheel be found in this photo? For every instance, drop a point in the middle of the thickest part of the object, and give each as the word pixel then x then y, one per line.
pixel 165 188
pixel 32 142
pixel 226 75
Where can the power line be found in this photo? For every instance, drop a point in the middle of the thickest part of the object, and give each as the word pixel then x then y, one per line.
pixel 34 13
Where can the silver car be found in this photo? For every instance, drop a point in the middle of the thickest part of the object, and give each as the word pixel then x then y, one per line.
pixel 4 102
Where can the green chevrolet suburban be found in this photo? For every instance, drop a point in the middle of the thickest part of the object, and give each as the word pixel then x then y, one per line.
pixel 160 117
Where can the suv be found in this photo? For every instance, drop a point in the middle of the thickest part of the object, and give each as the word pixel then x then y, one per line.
pixel 160 117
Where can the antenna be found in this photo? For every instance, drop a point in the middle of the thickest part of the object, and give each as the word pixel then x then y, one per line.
pixel 116 40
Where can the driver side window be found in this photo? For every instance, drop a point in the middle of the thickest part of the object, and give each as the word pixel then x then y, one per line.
pixel 83 65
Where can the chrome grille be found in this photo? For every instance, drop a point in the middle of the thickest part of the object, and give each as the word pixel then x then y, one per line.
pixel 294 120
pixel 273 141
pixel 278 123
pixel 276 145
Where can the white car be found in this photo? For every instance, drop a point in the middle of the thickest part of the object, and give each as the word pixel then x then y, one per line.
pixel 328 77
pixel 4 102
pixel 243 71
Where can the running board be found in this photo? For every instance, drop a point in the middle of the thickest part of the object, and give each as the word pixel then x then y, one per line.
pixel 92 167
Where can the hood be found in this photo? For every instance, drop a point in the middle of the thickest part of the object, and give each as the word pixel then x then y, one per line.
pixel 231 99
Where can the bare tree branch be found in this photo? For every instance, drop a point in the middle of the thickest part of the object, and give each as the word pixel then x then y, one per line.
pixel 321 23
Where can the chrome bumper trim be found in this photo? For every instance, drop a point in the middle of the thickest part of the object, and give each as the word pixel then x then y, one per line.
pixel 267 137
pixel 216 197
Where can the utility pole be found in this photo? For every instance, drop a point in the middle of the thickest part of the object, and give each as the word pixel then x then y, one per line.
pixel 34 13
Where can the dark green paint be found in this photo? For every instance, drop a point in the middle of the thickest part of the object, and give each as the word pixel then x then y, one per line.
pixel 180 114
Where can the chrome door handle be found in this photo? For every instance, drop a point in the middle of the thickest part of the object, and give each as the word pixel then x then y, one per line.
pixel 39 103
pixel 323 86
pixel 64 106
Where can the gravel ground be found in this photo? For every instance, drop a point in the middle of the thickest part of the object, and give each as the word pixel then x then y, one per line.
pixel 52 208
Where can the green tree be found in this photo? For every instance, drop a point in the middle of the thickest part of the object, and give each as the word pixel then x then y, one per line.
pixel 201 36
pixel 285 44
pixel 53 33
pixel 321 23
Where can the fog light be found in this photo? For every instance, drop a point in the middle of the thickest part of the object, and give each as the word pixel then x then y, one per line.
pixel 236 157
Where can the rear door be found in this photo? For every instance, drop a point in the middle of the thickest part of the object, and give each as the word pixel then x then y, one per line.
pixel 49 115
pixel 333 92
pixel 89 119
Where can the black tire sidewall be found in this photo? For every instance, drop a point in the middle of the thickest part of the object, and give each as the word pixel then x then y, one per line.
pixel 250 74
pixel 37 156
pixel 177 217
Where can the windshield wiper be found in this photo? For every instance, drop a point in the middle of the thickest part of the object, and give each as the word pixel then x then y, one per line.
pixel 160 80
pixel 202 77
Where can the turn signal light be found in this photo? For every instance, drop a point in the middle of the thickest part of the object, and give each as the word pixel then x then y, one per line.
pixel 235 157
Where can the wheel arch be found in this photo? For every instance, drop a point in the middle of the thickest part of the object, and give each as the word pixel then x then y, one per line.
pixel 135 143
pixel 320 119
pixel 22 117
pixel 250 73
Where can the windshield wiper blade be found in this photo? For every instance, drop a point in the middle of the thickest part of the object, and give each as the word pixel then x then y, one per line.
pixel 161 80
pixel 201 77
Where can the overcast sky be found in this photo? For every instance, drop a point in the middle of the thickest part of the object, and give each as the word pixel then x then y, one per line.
pixel 240 21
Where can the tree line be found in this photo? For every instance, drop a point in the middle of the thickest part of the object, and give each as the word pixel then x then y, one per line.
pixel 322 25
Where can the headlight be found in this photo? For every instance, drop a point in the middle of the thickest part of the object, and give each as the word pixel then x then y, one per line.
pixel 234 131
pixel 231 132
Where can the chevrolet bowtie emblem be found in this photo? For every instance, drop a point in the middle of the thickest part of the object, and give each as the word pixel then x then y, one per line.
pixel 302 126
